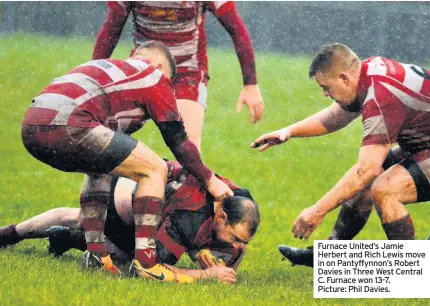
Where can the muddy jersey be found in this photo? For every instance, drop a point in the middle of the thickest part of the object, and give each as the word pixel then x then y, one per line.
pixel 119 94
pixel 395 104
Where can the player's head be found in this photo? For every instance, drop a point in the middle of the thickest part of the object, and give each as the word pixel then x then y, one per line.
pixel 336 68
pixel 159 56
pixel 237 220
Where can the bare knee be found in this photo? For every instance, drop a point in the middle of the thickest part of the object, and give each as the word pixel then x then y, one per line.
pixel 380 193
pixel 158 172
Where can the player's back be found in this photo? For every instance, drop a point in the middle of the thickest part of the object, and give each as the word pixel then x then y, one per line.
pixel 400 94
pixel 93 92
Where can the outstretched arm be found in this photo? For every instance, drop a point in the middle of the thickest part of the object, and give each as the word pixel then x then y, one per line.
pixel 329 120
pixel 250 95
pixel 355 180
pixel 111 29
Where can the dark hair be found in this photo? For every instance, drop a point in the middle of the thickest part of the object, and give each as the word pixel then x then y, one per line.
pixel 324 58
pixel 241 208
pixel 152 44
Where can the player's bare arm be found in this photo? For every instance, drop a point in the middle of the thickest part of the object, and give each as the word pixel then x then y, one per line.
pixel 222 273
pixel 354 181
pixel 326 121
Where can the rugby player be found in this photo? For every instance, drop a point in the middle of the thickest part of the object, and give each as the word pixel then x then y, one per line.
pixel 180 26
pixel 82 123
pixel 189 225
pixel 394 101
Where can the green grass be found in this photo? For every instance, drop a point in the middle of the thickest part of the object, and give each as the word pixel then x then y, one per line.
pixel 284 180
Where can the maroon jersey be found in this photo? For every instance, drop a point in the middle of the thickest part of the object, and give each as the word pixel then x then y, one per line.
pixel 120 94
pixel 180 26
pixel 188 217
pixel 187 220
pixel 395 103
pixel 177 24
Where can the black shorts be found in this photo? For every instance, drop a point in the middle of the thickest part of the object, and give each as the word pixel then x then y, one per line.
pixel 417 170
pixel 77 149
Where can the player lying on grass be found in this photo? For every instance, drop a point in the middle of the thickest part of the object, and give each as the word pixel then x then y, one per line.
pixel 189 225
pixel 394 100
pixel 82 122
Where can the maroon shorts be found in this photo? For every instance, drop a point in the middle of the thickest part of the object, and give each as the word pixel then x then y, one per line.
pixel 77 149
pixel 191 84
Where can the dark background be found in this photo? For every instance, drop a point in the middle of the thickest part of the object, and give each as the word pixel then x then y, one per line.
pixel 399 30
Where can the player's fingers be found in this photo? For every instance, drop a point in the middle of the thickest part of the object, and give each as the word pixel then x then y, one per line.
pixel 258 111
pixel 210 260
pixel 251 114
pixel 229 277
pixel 232 271
pixel 308 233
pixel 205 261
pixel 265 147
pixel 262 140
pixel 239 105
pixel 228 280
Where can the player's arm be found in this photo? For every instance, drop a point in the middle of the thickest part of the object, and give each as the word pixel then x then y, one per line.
pixel 228 16
pixel 355 180
pixel 326 121
pixel 223 274
pixel 164 111
pixel 111 29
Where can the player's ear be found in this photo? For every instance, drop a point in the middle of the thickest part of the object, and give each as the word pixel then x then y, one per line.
pixel 221 217
pixel 345 78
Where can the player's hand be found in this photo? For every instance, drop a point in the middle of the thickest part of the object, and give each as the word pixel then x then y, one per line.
pixel 271 139
pixel 307 222
pixel 218 189
pixel 251 96
pixel 205 259
pixel 223 274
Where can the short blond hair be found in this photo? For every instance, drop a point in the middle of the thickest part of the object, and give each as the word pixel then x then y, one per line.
pixel 162 48
pixel 334 55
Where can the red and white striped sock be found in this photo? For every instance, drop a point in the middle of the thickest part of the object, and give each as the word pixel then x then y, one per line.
pixel 147 216
pixel 94 209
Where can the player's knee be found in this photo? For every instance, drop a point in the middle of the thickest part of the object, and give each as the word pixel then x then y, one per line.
pixel 157 172
pixel 380 192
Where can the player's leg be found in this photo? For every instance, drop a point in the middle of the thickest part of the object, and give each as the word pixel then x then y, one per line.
pixel 401 184
pixel 191 94
pixel 36 226
pixel 150 172
pixel 193 115
pixel 354 214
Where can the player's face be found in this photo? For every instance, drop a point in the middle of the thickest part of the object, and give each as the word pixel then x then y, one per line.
pixel 235 235
pixel 339 87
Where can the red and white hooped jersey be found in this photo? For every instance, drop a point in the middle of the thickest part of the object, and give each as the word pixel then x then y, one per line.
pixel 120 94
pixel 177 24
pixel 395 101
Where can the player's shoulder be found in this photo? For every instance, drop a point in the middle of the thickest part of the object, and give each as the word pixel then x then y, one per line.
pixel 195 226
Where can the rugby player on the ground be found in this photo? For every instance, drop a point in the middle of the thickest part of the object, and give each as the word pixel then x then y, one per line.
pixel 189 225
pixel 82 121
pixel 394 100
pixel 181 26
